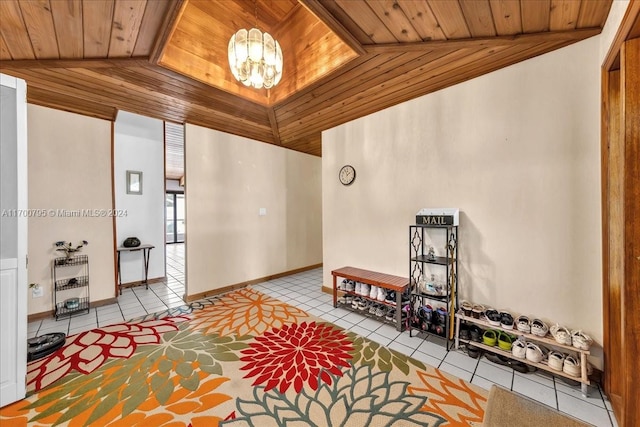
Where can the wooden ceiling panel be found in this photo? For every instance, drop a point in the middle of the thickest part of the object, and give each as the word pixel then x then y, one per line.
pixel 392 16
pixel 343 59
pixel 422 19
pixel 67 16
pixel 64 102
pixel 97 18
pixel 39 22
pixel 536 15
pixel 152 19
pixel 127 19
pixel 451 19
pixel 4 50
pixel 361 13
pixel 592 14
pixel 564 15
pixel 506 15
pixel 479 18
pixel 14 31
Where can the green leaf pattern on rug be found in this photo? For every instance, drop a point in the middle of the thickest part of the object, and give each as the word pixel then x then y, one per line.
pixel 361 397
pixel 369 353
pixel 137 377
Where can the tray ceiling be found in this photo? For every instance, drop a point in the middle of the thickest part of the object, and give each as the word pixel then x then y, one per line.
pixel 343 58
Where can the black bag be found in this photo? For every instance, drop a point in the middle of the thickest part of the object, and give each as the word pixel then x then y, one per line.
pixel 131 242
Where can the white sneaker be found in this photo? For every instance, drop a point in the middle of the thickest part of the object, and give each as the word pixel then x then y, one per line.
pixel 374 292
pixel 354 303
pixel 364 289
pixel 372 308
pixel 358 288
pixel 391 315
pixel 342 286
pixel 351 286
pixel 382 294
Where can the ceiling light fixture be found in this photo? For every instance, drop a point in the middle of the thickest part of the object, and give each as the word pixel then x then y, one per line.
pixel 255 57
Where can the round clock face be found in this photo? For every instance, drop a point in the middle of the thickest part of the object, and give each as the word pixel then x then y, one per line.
pixel 347 175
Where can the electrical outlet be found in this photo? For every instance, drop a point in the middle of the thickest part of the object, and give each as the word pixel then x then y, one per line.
pixel 262 211
pixel 37 292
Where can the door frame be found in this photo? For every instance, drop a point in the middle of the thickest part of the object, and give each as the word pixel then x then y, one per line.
pixel 620 223
pixel 22 235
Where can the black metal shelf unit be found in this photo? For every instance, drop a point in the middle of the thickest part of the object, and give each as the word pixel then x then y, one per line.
pixel 69 274
pixel 433 309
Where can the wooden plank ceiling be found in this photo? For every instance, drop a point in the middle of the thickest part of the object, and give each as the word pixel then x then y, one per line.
pixel 344 59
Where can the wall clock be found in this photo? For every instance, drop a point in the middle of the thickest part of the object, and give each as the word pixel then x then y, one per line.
pixel 347 175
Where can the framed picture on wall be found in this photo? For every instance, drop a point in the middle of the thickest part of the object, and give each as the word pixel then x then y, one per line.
pixel 134 182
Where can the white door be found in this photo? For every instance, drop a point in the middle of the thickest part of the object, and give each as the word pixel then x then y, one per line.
pixel 13 239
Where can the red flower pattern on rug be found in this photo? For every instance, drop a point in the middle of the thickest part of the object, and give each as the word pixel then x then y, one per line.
pixel 87 351
pixel 297 354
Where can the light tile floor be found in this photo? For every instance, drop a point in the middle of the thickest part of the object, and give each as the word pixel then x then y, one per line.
pixel 134 302
pixel 303 290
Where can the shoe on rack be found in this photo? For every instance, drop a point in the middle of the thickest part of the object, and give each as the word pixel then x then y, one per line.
pixel 364 289
pixel 382 294
pixel 372 308
pixel 391 315
pixel 373 292
pixel 358 288
pixel 380 311
pixel 492 316
pixel 473 351
pixel 351 286
pixel 476 333
pixel 391 297
pixel 506 320
pixel 363 305
pixel 355 302
pixel 497 359
pixel 464 334
pixel 342 286
pixel 523 324
pixel 406 298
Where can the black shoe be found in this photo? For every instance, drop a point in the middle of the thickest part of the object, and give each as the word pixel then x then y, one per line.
pixel 464 334
pixel 520 367
pixel 473 351
pixel 496 358
pixel 476 333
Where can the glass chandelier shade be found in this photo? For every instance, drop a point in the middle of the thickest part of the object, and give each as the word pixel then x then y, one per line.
pixel 255 58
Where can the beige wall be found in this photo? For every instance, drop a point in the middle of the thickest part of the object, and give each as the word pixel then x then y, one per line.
pixel 69 169
pixel 228 180
pixel 517 151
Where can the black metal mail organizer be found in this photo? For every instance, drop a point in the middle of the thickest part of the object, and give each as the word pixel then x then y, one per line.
pixel 442 302
pixel 70 285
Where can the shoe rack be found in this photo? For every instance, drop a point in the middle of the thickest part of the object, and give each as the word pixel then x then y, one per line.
pixel 372 278
pixel 548 342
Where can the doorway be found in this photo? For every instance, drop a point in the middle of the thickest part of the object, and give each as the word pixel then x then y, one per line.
pixel 174 204
pixel 175 230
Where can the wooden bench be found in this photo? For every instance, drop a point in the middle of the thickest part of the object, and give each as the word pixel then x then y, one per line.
pixel 373 278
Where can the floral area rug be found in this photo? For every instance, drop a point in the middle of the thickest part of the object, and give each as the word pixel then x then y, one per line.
pixel 242 359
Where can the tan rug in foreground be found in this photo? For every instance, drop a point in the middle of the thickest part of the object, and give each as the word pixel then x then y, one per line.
pixel 508 409
pixel 243 359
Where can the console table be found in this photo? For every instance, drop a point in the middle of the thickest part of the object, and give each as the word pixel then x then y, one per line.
pixel 146 249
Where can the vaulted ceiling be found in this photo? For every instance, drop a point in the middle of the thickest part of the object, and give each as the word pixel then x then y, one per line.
pixel 343 58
